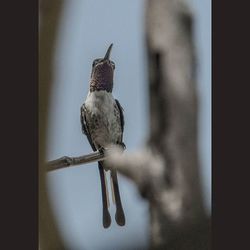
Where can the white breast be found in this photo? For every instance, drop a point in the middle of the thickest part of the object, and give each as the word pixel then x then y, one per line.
pixel 104 117
pixel 100 101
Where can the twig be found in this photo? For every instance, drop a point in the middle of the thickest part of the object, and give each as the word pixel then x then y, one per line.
pixel 67 161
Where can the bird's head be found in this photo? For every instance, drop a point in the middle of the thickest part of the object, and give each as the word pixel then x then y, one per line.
pixel 102 73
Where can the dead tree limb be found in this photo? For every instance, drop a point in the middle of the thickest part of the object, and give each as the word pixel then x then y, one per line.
pixel 67 161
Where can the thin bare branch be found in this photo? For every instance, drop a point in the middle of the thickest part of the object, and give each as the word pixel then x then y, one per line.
pixel 67 161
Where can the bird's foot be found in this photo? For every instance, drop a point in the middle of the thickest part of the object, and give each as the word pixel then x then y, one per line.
pixel 101 150
pixel 122 145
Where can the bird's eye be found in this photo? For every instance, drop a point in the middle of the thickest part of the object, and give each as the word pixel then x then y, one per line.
pixel 113 64
pixel 95 62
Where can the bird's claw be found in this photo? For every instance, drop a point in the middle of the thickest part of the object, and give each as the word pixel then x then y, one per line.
pixel 122 145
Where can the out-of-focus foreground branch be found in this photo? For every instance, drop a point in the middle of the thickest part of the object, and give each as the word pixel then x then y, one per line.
pixel 49 237
pixel 167 170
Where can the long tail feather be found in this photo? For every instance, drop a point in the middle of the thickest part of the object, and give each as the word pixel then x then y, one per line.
pixel 112 189
pixel 106 219
pixel 119 215
pixel 107 191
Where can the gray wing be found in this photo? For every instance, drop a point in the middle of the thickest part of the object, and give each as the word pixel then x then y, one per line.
pixel 85 129
pixel 119 215
pixel 121 118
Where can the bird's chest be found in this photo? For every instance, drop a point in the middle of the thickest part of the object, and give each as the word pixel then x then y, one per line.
pixel 103 118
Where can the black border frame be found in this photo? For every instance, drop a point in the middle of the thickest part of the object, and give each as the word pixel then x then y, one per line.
pixel 19 124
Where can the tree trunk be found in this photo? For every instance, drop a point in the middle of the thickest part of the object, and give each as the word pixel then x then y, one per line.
pixel 167 171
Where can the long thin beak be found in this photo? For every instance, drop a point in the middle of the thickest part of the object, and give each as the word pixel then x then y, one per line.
pixel 106 57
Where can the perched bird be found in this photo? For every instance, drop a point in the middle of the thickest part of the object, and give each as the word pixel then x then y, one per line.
pixel 103 122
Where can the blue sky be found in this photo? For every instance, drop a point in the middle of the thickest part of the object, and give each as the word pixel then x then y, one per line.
pixel 86 30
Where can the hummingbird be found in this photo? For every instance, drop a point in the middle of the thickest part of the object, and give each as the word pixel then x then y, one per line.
pixel 102 122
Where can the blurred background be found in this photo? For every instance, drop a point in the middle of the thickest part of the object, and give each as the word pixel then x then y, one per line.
pixel 86 30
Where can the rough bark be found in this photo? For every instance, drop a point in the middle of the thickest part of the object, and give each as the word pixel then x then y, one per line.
pixel 49 237
pixel 167 170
